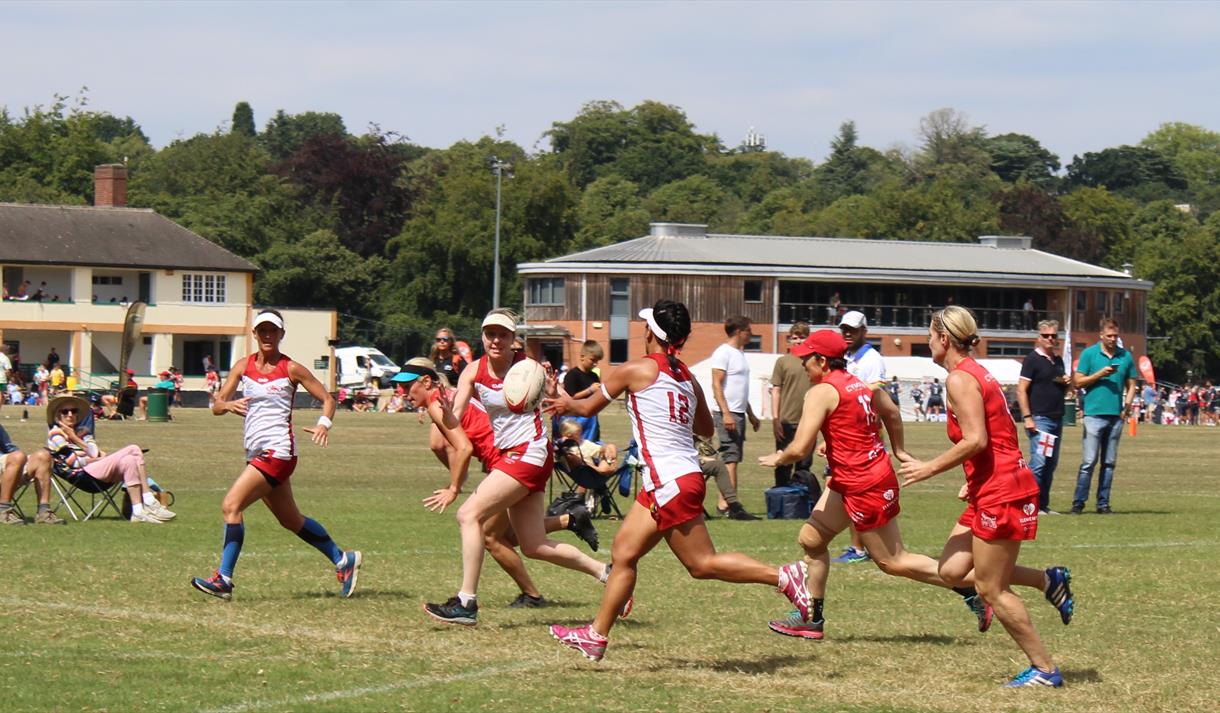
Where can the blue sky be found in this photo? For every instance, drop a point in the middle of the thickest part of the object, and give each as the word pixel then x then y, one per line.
pixel 1078 76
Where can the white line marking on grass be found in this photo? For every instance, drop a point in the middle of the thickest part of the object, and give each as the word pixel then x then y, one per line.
pixel 377 690
pixel 1122 545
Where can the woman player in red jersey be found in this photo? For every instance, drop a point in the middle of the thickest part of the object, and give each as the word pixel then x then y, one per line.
pixel 472 437
pixel 1001 493
pixel 667 408
pixel 864 489
pixel 520 463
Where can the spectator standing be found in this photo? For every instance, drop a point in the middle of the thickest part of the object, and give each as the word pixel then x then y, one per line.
pixel 1027 311
pixel 57 379
pixel 52 359
pixel 917 399
pixel 582 381
pixel 1107 373
pixel 789 382
pixel 208 364
pixel 1040 393
pixel 936 401
pixel 731 396
pixel 865 363
pixel 41 379
pixel 444 355
pixel 6 367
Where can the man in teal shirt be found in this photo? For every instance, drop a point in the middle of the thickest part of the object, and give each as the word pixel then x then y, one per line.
pixel 1106 372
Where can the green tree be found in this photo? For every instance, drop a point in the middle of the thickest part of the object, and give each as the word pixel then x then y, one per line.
pixel 854 217
pixel 317 271
pixel 1100 217
pixel 697 199
pixel 1134 171
pixel 593 139
pixel 610 210
pixel 243 119
pixel 285 133
pixel 1017 157
pixel 1026 209
pixel 948 138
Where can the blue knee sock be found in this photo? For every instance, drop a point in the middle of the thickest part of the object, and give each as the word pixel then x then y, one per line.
pixel 316 535
pixel 235 535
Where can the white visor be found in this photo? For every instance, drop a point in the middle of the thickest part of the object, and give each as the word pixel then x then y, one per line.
pixel 501 320
pixel 646 315
pixel 268 318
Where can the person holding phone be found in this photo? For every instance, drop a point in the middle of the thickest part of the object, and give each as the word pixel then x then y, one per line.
pixel 1106 373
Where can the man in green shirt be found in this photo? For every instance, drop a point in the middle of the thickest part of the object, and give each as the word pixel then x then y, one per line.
pixel 1106 372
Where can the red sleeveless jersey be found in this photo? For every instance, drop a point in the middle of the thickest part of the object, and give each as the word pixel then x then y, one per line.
pixel 998 474
pixel 854 449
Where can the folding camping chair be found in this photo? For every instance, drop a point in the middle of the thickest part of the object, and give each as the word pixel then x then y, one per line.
pixel 73 487
pixel 600 489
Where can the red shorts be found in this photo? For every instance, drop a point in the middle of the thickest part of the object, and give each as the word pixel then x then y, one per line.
pixel 873 506
pixel 682 506
pixel 1016 520
pixel 478 430
pixel 530 463
pixel 276 470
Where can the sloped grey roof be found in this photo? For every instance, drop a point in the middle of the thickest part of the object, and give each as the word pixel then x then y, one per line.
pixel 110 237
pixel 779 255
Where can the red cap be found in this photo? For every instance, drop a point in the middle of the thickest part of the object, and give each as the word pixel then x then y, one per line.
pixel 165 373
pixel 131 372
pixel 827 342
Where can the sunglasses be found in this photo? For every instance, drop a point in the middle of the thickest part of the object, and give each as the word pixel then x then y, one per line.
pixel 444 339
pixel 1049 336
pixel 72 411
pixel 518 350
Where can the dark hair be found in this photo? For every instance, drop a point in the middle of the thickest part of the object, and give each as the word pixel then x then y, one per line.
pixel 675 320
pixel 733 325
pixel 832 363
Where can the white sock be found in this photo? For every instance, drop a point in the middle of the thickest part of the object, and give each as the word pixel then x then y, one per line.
pixel 137 508
pixel 466 599
pixel 149 498
pixel 604 575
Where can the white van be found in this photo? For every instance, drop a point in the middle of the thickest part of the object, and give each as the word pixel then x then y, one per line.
pixel 355 363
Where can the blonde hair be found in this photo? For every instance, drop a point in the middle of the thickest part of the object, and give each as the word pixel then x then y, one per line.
pixel 436 352
pixel 426 363
pixel 569 427
pixel 959 324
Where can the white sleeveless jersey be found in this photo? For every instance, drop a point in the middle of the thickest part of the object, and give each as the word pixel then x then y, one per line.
pixel 662 418
pixel 269 413
pixel 510 429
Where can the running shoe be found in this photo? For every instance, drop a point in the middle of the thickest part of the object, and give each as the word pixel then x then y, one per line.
pixel 1059 592
pixel 795 588
pixel 10 517
pixel 982 610
pixel 214 585
pixel 452 612
pixel 583 639
pixel 738 512
pixel 145 516
pixel 1036 677
pixel 348 572
pixel 794 625
pixel 47 517
pixel 160 512
pixel 580 522
pixel 525 601
pixel 850 555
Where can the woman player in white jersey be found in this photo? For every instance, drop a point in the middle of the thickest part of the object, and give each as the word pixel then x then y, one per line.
pixel 269 380
pixel 520 465
pixel 667 408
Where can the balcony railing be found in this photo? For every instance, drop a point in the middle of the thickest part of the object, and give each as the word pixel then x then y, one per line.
pixel 910 317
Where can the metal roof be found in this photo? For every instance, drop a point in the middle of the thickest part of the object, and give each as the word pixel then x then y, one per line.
pixel 109 237
pixel 681 252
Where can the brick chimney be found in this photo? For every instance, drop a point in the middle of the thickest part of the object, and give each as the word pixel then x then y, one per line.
pixel 110 185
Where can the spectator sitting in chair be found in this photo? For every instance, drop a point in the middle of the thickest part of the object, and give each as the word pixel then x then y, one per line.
pixel 78 454
pixel 15 469
pixel 166 384
pixel 603 458
pixel 110 402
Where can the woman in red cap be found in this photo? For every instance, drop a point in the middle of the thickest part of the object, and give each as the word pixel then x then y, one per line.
pixel 1001 493
pixel 863 491
pixel 667 408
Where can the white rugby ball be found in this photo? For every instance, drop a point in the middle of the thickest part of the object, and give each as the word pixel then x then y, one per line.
pixel 523 385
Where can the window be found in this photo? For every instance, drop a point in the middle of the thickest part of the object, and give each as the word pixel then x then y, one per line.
pixel 1082 301
pixel 1103 306
pixel 754 345
pixel 108 279
pixel 1118 303
pixel 1001 348
pixel 753 291
pixel 204 289
pixel 546 291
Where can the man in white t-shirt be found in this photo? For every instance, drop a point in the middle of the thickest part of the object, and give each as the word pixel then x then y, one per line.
pixel 6 366
pixel 731 396
pixel 865 363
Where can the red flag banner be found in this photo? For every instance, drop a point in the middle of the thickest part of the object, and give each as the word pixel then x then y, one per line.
pixel 1145 365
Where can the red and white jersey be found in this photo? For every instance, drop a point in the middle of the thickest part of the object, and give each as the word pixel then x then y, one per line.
pixel 269 413
pixel 857 456
pixel 662 421
pixel 476 425
pixel 998 474
pixel 511 429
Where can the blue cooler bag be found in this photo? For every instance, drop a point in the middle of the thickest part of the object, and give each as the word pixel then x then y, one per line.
pixel 788 502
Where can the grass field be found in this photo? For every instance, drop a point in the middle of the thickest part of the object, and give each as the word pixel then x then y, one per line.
pixel 100 615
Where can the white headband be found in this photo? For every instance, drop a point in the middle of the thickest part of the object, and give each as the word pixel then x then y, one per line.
pixel 646 315
pixel 269 318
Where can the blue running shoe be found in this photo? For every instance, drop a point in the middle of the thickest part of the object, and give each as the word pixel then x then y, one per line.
pixel 214 585
pixel 348 573
pixel 1036 677
pixel 982 611
pixel 850 555
pixel 1059 592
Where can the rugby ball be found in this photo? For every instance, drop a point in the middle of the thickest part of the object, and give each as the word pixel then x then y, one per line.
pixel 523 386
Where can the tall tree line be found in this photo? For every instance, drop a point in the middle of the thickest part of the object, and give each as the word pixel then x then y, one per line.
pixel 397 236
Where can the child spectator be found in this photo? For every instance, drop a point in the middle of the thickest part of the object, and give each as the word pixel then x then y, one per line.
pixel 582 381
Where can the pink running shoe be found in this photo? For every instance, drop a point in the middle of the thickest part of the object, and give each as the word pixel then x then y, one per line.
pixel 795 588
pixel 583 639
pixel 793 625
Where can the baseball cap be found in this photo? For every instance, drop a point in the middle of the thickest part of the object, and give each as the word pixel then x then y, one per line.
pixel 826 342
pixel 131 372
pixel 853 319
pixel 501 320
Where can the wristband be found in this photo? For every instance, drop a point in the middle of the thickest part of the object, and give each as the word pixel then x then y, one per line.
pixel 1025 416
pixel 324 421
pixel 606 393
